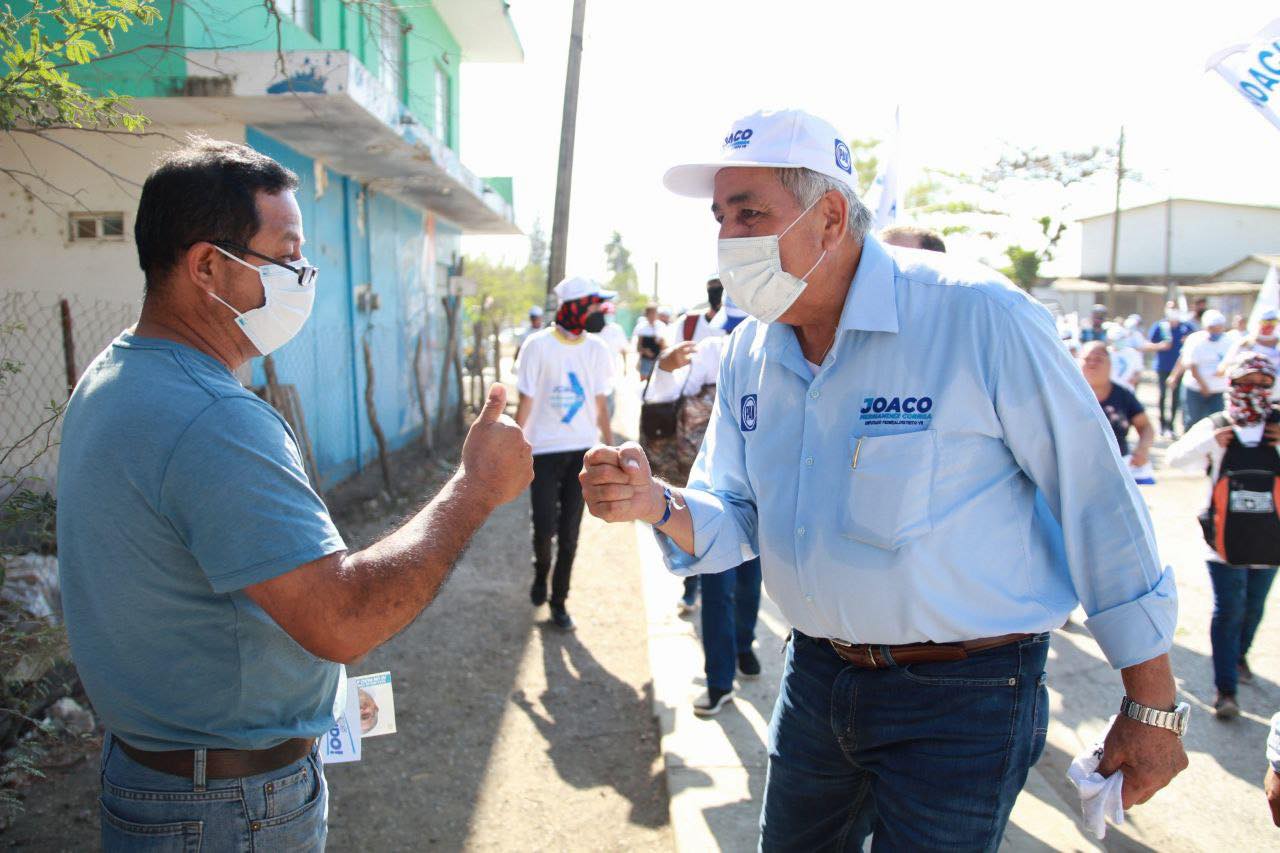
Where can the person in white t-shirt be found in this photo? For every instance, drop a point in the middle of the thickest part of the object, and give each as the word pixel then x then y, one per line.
pixel 1126 362
pixel 1265 340
pixel 564 377
pixel 695 327
pixel 650 337
pixel 616 340
pixel 1202 353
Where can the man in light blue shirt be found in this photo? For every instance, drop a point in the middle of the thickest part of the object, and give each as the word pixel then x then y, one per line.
pixel 931 488
pixel 209 600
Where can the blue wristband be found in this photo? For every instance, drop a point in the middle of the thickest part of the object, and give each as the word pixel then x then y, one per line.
pixel 666 512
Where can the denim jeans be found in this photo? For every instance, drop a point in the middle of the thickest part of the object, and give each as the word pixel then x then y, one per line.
pixel 1239 596
pixel 690 594
pixel 928 756
pixel 730 604
pixel 1197 407
pixel 1173 395
pixel 144 809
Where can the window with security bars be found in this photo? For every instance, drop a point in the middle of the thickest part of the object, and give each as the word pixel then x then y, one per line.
pixel 87 226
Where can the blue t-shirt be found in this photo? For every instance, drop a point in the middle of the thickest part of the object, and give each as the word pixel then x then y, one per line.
pixel 178 488
pixel 1166 330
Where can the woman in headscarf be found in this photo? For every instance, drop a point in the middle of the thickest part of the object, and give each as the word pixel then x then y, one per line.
pixel 1250 427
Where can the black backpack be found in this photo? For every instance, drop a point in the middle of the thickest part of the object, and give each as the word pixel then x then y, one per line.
pixel 1242 522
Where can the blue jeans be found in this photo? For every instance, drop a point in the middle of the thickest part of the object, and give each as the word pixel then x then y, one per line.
pixel 144 809
pixel 1197 407
pixel 1239 596
pixel 730 604
pixel 928 756
pixel 690 594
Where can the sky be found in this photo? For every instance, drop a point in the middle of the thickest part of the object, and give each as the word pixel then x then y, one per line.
pixel 663 80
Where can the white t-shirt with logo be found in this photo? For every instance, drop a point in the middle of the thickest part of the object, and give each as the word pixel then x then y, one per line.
pixel 563 376
pixel 616 340
pixel 1206 355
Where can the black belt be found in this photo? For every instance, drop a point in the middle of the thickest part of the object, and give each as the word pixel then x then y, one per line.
pixel 223 763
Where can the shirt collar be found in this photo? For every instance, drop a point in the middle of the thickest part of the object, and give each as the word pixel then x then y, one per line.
pixel 872 303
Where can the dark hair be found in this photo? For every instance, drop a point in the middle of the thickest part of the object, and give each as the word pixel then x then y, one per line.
pixel 926 238
pixel 205 190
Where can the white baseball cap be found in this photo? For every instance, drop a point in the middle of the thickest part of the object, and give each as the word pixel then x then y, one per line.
pixel 535 310
pixel 1213 317
pixel 578 287
pixel 780 139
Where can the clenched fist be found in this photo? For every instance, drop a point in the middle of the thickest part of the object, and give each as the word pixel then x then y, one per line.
pixel 617 484
pixel 495 456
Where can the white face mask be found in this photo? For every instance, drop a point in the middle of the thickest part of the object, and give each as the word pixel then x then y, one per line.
pixel 287 305
pixel 752 274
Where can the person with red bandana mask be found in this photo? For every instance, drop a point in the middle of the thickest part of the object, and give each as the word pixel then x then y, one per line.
pixel 1244 437
pixel 564 376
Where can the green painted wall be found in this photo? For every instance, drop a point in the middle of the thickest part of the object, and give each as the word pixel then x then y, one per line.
pixel 245 25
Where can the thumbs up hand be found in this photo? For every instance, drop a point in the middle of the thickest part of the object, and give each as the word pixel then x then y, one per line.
pixel 617 484
pixel 495 454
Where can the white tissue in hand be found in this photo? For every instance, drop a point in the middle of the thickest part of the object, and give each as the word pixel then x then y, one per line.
pixel 1100 797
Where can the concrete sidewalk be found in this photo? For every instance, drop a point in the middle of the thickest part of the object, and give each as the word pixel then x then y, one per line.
pixel 715 767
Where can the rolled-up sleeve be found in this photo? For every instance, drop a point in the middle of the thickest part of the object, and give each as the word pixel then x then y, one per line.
pixel 1059 436
pixel 720 498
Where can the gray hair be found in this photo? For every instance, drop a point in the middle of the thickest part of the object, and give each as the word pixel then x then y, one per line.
pixel 807 186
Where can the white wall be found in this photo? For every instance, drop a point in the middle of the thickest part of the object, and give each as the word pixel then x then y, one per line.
pixel 1205 238
pixel 40 265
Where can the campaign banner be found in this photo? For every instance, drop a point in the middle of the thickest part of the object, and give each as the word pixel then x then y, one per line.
pixel 1252 68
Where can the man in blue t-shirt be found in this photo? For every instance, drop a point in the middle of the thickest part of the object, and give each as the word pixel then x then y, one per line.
pixel 209 600
pixel 1167 336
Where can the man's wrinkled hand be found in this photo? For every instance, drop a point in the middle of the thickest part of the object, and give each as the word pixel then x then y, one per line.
pixel 617 484
pixel 496 458
pixel 1149 756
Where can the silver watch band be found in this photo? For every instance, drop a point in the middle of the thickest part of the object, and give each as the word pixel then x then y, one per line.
pixel 1174 721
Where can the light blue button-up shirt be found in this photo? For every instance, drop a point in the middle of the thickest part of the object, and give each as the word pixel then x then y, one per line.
pixel 947 474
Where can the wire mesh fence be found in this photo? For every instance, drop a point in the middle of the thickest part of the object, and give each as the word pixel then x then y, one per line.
pixel 47 339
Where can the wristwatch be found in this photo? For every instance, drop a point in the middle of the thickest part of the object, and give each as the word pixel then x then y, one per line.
pixel 1175 720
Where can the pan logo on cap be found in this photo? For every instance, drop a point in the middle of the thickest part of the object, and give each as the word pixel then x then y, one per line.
pixel 843 159
pixel 738 139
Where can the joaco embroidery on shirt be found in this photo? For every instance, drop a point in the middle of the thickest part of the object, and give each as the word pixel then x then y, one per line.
pixel 748 419
pixel 903 411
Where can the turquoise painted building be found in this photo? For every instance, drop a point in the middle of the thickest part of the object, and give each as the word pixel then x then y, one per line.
pixel 362 102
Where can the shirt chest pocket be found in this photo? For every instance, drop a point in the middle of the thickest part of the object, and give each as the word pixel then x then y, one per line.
pixel 889 488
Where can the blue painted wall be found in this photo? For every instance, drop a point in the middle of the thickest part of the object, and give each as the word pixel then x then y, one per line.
pixel 359 237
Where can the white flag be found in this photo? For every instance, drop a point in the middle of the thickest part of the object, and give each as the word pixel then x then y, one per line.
pixel 1252 68
pixel 1268 298
pixel 885 195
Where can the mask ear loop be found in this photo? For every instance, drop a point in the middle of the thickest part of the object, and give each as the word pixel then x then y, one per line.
pixel 793 225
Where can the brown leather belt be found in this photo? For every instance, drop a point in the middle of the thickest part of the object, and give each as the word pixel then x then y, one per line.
pixel 873 655
pixel 222 763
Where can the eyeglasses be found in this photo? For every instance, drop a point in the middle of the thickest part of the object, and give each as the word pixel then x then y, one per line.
pixel 1252 386
pixel 305 272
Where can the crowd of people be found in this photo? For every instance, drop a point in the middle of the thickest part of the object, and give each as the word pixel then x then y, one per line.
pixel 915 503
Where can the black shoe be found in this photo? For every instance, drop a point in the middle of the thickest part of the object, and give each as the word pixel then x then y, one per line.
pixel 710 703
pixel 1225 707
pixel 561 618
pixel 749 665
pixel 538 593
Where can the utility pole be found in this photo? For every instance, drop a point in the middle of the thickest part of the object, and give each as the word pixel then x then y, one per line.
pixel 564 172
pixel 1168 248
pixel 655 281
pixel 1115 229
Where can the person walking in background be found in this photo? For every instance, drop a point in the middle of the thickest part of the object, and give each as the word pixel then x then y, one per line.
pixel 209 600
pixel 1265 340
pixel 535 323
pixel 913 237
pixel 1166 338
pixel 1126 362
pixel 1202 354
pixel 616 340
pixel 1118 403
pixel 649 338
pixel 1096 329
pixel 687 373
pixel 695 326
pixel 1236 446
pixel 564 377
